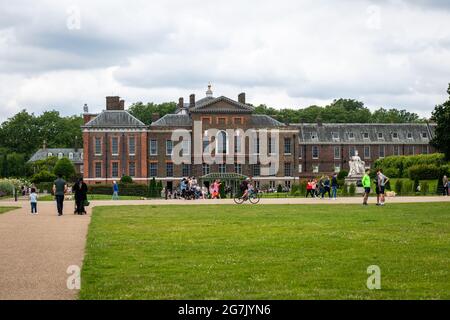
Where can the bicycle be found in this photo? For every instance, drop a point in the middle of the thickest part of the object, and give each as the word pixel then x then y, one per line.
pixel 253 197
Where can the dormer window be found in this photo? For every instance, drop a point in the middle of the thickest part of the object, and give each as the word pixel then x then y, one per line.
pixel 424 135
pixel 366 135
pixel 380 136
pixel 351 135
pixel 394 135
pixel 49 154
pixel 335 135
pixel 409 135
pixel 60 155
pixel 71 156
pixel 313 135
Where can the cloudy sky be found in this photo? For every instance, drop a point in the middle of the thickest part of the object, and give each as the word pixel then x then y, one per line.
pixel 285 53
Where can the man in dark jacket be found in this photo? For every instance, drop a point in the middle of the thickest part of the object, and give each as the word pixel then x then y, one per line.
pixel 80 189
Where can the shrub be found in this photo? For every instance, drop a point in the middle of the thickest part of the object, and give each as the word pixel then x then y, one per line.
pixel 416 185
pixel 400 164
pixel 295 189
pixel 425 187
pixel 279 188
pixel 392 172
pixel 65 168
pixel 159 188
pixel 424 172
pixel 342 175
pixel 398 186
pixel 6 187
pixel 352 189
pixel 43 176
pixel 152 188
pixel 126 179
pixel 125 189
pixel 303 187
pixel 345 189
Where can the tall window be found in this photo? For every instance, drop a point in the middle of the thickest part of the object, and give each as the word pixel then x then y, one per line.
pixel 352 151
pixel 425 149
pixel 205 144
pixel 411 150
pixel 132 169
pixel 315 168
pixel 256 170
pixel 169 169
pixel 237 144
pixel 205 169
pixel 222 168
pixel 98 169
pixel 115 146
pixel 98 146
pixel 382 151
pixel 272 145
pixel 315 152
pixel 238 168
pixel 222 142
pixel 287 169
pixel 256 142
pixel 186 147
pixel 153 170
pixel 287 145
pixel 131 146
pixel 153 147
pixel 169 147
pixel 396 150
pixel 186 170
pixel 115 170
pixel 367 152
pixel 337 152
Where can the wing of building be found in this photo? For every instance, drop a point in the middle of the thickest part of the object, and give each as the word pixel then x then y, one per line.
pixel 223 135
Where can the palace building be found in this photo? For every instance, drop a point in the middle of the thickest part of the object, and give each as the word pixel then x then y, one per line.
pixel 224 136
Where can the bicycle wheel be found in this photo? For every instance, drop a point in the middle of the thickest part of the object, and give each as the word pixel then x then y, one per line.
pixel 238 200
pixel 254 198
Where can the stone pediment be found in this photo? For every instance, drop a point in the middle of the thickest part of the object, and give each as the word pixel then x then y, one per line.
pixel 221 105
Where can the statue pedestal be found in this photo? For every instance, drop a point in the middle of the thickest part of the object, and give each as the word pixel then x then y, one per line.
pixel 357 182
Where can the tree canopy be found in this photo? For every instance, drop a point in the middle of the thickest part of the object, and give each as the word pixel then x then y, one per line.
pixel 144 112
pixel 441 115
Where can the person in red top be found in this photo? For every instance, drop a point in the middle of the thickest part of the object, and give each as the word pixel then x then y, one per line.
pixel 310 189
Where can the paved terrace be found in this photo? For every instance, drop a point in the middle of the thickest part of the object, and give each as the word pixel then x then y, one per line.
pixel 36 251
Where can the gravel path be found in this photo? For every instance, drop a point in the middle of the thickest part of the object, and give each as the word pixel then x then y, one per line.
pixel 35 251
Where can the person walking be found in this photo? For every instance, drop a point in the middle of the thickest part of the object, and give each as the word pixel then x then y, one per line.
pixel 80 189
pixel 334 186
pixel 445 185
pixel 33 201
pixel 366 185
pixel 381 184
pixel 59 190
pixel 309 189
pixel 326 187
pixel 115 191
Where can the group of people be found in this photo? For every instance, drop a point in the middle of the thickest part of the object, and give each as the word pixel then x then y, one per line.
pixel 380 182
pixel 318 188
pixel 190 189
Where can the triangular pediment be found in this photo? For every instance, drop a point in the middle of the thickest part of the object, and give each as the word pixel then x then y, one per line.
pixel 221 105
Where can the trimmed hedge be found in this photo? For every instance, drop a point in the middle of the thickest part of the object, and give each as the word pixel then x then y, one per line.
pixel 125 189
pixel 398 166
pixel 45 186
pixel 424 172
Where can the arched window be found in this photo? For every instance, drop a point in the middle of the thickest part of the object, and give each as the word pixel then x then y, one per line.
pixel 71 156
pixel 60 155
pixel 222 142
pixel 49 154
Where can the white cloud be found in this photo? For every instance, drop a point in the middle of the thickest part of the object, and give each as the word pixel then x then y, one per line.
pixel 290 54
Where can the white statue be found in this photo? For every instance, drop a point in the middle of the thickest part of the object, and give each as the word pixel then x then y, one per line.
pixel 357 166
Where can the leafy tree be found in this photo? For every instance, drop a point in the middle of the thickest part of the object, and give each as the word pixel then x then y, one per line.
pixel 144 112
pixel 65 168
pixel 43 176
pixel 126 179
pixel 14 165
pixel 441 115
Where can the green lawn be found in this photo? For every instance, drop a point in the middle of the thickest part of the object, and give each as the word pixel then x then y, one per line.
pixel 6 209
pixel 267 252
pixel 91 197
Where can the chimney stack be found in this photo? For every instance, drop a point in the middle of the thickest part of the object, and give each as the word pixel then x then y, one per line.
pixel 155 117
pixel 181 103
pixel 241 98
pixel 113 103
pixel 192 101
pixel 122 104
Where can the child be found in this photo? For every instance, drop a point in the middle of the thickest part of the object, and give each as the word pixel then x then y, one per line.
pixel 33 201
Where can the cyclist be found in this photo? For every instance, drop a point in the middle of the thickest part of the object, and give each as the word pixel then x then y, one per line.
pixel 244 188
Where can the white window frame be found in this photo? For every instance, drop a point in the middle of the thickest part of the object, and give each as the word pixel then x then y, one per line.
pixel 312 152
pixel 156 147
